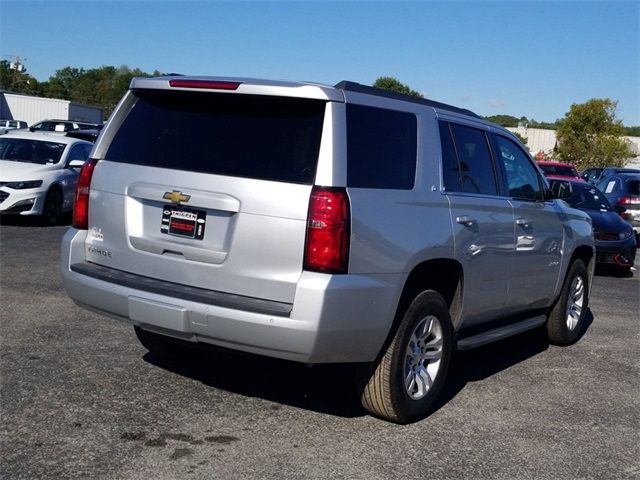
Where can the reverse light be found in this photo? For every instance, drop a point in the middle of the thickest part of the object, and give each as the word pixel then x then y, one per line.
pixel 328 231
pixel 81 203
pixel 208 84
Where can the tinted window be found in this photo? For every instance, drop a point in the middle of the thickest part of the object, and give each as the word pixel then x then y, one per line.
pixel 609 185
pixel 521 176
pixel 450 166
pixel 594 174
pixel 270 138
pixel 476 166
pixel 381 148
pixel 633 187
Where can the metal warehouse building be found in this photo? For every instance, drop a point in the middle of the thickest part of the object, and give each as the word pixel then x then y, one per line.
pixel 14 106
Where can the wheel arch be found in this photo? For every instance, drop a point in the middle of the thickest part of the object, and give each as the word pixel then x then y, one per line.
pixel 586 253
pixel 443 275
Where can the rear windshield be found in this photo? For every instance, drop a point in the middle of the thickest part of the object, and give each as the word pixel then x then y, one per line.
pixel 634 187
pixel 559 170
pixel 588 197
pixel 270 138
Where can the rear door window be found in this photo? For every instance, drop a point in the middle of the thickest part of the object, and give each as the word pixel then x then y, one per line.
pixel 476 167
pixel 250 136
pixel 381 148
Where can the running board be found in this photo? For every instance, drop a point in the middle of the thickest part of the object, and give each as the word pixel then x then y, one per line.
pixel 496 334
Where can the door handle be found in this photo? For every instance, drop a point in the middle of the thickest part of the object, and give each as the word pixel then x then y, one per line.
pixel 465 220
pixel 522 222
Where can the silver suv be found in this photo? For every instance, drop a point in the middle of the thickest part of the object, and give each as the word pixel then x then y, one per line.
pixel 323 224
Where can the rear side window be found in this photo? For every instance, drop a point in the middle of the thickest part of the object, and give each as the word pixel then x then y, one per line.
pixel 381 148
pixel 634 187
pixel 476 167
pixel 609 185
pixel 250 136
pixel 450 166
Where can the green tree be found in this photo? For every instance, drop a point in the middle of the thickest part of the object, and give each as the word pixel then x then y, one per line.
pixel 589 135
pixel 103 86
pixel 632 131
pixel 391 83
pixel 520 137
pixel 505 120
pixel 14 80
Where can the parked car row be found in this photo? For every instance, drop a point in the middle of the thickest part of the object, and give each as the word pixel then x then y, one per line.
pixel 49 125
pixel 619 188
pixel 614 238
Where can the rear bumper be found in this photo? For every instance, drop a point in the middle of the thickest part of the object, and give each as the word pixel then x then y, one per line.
pixel 333 318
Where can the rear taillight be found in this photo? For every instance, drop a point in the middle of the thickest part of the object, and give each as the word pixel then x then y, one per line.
pixel 628 200
pixel 81 204
pixel 328 231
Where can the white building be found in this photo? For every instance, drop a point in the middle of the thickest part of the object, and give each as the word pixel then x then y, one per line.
pixel 14 106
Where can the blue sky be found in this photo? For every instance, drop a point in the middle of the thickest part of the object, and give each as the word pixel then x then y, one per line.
pixel 515 57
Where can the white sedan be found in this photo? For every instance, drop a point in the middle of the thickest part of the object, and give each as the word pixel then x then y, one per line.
pixel 38 173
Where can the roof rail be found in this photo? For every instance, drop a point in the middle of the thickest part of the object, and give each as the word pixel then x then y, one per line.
pixel 357 87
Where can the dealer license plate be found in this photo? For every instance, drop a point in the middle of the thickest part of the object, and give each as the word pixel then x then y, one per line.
pixel 183 222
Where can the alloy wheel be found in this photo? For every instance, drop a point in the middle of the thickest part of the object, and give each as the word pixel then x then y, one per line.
pixel 575 301
pixel 423 357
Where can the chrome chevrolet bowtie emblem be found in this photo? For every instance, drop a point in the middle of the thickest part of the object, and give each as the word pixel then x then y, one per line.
pixel 176 196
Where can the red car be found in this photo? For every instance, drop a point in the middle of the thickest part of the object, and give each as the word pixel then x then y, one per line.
pixel 561 171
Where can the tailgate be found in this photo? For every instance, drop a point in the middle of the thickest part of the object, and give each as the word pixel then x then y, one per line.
pixel 208 191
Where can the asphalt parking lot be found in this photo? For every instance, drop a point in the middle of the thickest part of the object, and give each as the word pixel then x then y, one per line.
pixel 81 398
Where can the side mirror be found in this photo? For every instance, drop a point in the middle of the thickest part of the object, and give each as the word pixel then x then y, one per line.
pixel 559 189
pixel 619 209
pixel 32 129
pixel 75 163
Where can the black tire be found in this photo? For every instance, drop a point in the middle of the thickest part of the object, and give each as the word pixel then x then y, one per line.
pixel 561 329
pixel 383 391
pixel 624 272
pixel 159 345
pixel 52 206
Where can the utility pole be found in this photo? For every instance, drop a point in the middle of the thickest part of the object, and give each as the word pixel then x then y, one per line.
pixel 17 66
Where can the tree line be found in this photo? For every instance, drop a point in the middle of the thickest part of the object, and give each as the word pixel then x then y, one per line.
pixel 102 87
